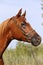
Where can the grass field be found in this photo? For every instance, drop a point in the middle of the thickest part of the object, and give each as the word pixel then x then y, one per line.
pixel 24 54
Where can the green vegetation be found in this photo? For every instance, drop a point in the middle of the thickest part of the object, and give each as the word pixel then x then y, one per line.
pixel 24 54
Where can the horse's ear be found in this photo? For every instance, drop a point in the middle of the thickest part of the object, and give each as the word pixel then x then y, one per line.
pixel 24 14
pixel 19 13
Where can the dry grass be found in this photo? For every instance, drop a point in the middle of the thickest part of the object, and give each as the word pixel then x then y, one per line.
pixel 24 55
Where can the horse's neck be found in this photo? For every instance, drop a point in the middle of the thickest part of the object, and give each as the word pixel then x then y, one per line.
pixel 3 27
pixel 5 38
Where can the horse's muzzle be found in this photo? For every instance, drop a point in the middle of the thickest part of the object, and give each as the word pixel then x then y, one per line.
pixel 36 40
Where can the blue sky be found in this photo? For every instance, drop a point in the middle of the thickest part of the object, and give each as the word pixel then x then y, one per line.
pixel 9 8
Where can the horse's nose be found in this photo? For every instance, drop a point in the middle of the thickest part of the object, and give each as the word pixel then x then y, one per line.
pixel 36 40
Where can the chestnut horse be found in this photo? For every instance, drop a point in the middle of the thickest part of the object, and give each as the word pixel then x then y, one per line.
pixel 17 27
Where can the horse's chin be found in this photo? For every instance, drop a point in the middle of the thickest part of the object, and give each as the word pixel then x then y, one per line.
pixel 35 44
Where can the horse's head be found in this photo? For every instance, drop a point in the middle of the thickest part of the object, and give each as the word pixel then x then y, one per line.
pixel 21 30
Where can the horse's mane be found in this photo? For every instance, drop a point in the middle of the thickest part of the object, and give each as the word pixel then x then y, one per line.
pixel 3 27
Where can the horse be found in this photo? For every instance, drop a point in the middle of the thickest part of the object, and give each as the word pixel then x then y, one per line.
pixel 17 28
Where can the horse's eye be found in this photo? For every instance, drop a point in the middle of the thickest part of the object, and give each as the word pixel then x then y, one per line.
pixel 23 24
